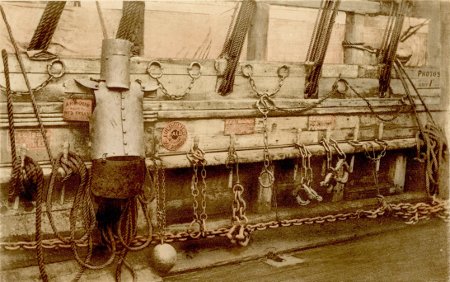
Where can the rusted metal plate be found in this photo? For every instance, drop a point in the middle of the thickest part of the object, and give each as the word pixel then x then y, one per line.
pixel 239 126
pixel 173 135
pixel 77 109
pixel 118 177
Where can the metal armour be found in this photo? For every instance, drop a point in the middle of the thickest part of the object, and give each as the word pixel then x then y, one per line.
pixel 117 124
pixel 118 177
pixel 115 63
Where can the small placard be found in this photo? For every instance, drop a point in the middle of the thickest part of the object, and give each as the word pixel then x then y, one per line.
pixel 321 122
pixel 31 138
pixel 173 135
pixel 239 126
pixel 77 109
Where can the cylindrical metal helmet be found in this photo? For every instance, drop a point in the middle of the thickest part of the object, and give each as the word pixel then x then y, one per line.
pixel 115 63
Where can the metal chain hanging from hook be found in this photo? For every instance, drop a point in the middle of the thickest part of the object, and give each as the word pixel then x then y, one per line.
pixel 197 157
pixel 194 71
pixel 306 177
pixel 336 176
pixel 238 233
pixel 369 151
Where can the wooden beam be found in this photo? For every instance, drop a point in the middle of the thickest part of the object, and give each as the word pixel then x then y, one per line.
pixel 354 33
pixel 257 35
pixel 355 6
pixel 397 173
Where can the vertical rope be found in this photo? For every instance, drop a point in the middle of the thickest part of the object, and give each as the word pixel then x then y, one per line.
pixel 102 20
pixel 47 25
pixel 388 51
pixel 39 179
pixel 233 46
pixel 131 26
pixel 27 82
pixel 319 45
pixel 14 183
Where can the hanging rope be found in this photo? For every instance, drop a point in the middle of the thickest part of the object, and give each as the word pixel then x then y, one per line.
pixel 27 82
pixel 388 50
pixel 233 45
pixel 131 26
pixel 47 25
pixel 15 173
pixel 102 20
pixel 318 45
pixel 430 135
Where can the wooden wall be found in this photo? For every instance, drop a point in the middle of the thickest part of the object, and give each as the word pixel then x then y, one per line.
pixel 211 117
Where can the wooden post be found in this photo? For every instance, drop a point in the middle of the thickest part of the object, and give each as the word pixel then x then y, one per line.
pixel 354 33
pixel 257 34
pixel 445 89
pixel 397 174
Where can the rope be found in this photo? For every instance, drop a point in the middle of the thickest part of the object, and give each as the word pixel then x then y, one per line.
pixel 102 20
pixel 433 137
pixel 233 45
pixel 35 174
pixel 131 24
pixel 319 44
pixel 14 183
pixel 30 90
pixel 389 45
pixel 47 25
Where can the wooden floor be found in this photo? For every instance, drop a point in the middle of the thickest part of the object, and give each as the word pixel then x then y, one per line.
pixel 417 253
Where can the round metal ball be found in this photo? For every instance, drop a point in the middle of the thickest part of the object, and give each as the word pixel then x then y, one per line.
pixel 164 257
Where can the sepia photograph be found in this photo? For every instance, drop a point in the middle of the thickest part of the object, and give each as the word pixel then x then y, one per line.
pixel 225 140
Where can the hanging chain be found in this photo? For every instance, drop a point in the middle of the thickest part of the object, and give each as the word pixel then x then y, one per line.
pixel 194 75
pixel 369 151
pixel 337 176
pixel 266 177
pixel 238 233
pixel 306 177
pixel 159 179
pixel 197 157
pixel 51 76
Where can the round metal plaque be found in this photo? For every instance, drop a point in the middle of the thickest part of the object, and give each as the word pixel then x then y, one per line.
pixel 173 135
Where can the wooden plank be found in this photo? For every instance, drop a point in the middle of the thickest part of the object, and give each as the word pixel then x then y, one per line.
pixel 255 155
pixel 356 6
pixel 257 47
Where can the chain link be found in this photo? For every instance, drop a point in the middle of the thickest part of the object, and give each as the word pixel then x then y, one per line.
pixel 369 151
pixel 411 213
pixel 51 76
pixel 197 157
pixel 238 233
pixel 193 75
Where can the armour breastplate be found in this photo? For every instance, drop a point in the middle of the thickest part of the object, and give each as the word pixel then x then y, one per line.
pixel 117 125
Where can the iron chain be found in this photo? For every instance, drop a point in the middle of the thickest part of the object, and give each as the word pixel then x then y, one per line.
pixel 411 213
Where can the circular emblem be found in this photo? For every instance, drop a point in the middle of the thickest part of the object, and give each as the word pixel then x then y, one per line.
pixel 173 135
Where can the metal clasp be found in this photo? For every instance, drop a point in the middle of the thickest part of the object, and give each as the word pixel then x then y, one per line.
pixel 151 70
